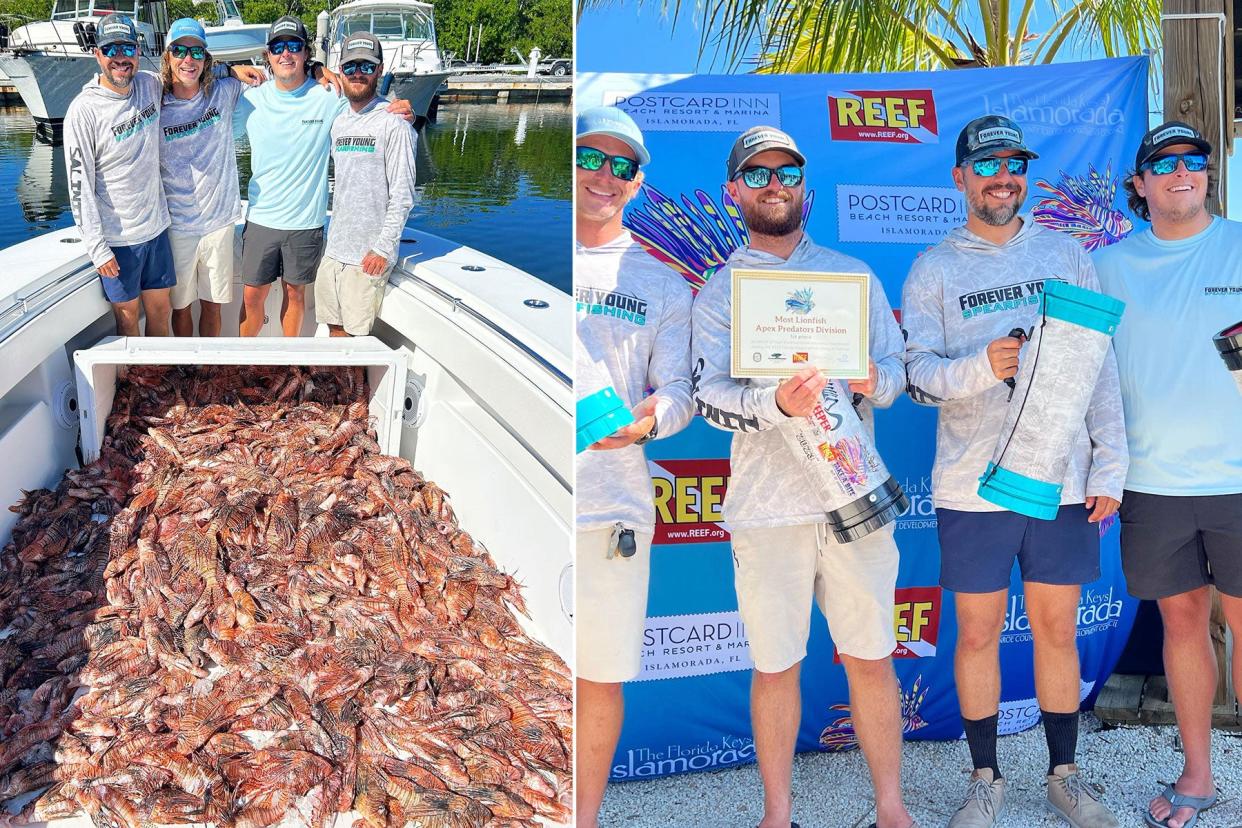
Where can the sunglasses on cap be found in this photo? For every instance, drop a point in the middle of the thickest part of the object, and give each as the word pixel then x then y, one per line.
pixel 988 167
pixel 113 49
pixel 279 47
pixel 1165 164
pixel 179 51
pixel 790 175
pixel 591 159
pixel 363 66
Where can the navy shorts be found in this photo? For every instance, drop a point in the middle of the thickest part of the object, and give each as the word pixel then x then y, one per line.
pixel 1171 545
pixel 146 266
pixel 977 549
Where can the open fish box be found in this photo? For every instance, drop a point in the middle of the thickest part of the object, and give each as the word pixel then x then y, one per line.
pixel 98 368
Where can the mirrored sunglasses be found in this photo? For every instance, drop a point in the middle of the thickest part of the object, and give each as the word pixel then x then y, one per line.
pixel 589 158
pixel 363 66
pixel 988 167
pixel 1165 164
pixel 113 49
pixel 179 51
pixel 790 175
pixel 293 47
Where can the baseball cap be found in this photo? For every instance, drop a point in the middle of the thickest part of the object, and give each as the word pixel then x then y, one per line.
pixel 116 28
pixel 760 139
pixel 614 122
pixel 362 46
pixel 1166 135
pixel 288 26
pixel 986 135
pixel 186 27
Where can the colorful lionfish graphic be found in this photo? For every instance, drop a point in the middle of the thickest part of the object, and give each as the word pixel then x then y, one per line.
pixel 1082 206
pixel 839 735
pixel 696 237
pixel 849 457
pixel 800 301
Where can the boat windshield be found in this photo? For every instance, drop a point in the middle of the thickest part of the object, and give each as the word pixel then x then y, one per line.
pixel 70 9
pixel 387 25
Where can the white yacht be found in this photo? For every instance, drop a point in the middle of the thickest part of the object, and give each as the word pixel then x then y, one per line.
pixel 406 28
pixel 485 411
pixel 50 60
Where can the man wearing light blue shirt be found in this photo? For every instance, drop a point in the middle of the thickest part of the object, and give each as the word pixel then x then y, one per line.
pixel 1181 517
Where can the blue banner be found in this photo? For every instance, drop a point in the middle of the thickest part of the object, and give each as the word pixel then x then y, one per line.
pixel 879 152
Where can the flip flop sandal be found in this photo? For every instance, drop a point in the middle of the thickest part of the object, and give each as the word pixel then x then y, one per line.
pixel 1198 803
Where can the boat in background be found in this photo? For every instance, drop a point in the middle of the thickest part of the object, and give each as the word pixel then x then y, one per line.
pixel 406 28
pixel 49 61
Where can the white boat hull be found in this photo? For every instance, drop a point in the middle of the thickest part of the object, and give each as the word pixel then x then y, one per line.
pixel 49 83
pixel 420 90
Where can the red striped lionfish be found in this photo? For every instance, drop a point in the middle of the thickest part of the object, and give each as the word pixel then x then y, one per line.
pixel 839 735
pixel 1082 206
pixel 694 239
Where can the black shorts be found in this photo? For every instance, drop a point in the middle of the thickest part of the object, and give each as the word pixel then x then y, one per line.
pixel 1171 545
pixel 268 255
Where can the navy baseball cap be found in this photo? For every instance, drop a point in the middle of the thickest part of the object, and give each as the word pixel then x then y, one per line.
pixel 991 133
pixel 614 122
pixel 1166 135
pixel 116 28
pixel 288 26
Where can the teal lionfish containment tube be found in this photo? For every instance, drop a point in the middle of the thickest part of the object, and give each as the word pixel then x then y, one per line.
pixel 1229 344
pixel 836 452
pixel 598 415
pixel 1055 382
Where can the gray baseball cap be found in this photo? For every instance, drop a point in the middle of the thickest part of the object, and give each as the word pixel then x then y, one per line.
pixel 760 139
pixel 991 133
pixel 116 28
pixel 362 46
pixel 288 26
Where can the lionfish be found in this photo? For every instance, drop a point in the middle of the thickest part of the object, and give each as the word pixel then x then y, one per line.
pixel 840 736
pixel 1082 206
pixel 696 237
pixel 800 301
pixel 847 453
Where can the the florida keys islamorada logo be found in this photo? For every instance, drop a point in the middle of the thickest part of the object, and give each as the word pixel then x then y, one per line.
pixel 800 301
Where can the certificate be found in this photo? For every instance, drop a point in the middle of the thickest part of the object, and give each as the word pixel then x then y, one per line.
pixel 785 320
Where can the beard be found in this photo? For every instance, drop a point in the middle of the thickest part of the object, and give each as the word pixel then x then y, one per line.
pixel 773 220
pixel 996 216
pixel 121 82
pixel 356 94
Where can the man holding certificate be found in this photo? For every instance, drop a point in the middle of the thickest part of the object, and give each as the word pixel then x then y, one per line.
pixel 964 305
pixel 784 555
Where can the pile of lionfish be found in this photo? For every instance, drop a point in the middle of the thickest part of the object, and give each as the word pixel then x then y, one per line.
pixel 244 613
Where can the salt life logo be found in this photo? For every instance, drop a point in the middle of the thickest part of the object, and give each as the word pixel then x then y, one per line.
pixel 696 111
pixel 648 763
pixel 675 646
pixel 898 116
pixel 896 214
pixel 689 496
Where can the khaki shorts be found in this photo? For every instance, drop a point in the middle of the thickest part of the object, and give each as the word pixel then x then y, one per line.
pixel 204 266
pixel 777 572
pixel 346 296
pixel 610 607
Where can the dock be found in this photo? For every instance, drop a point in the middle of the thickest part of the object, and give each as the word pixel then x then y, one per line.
pixel 507 88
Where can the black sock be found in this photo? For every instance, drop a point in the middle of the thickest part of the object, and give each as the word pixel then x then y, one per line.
pixel 1061 731
pixel 981 738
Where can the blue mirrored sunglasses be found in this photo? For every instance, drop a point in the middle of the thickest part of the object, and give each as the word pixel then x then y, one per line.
pixel 293 47
pixel 179 51
pixel 1165 164
pixel 363 66
pixel 988 167
pixel 111 50
pixel 790 175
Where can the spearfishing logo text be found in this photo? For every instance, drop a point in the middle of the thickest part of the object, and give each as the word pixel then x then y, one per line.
pixel 624 306
pixel 645 763
pixel 899 116
pixel 1003 298
pixel 689 495
pixel 131 125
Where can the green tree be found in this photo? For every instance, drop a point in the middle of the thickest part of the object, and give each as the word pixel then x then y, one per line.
pixel 895 35
pixel 16 11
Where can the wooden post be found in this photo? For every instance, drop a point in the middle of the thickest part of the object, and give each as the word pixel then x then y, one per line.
pixel 1198 89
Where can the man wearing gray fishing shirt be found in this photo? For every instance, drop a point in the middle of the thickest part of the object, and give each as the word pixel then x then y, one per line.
pixel 111 136
pixel 373 155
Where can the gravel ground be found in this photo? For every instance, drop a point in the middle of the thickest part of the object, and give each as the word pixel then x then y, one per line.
pixel 832 790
